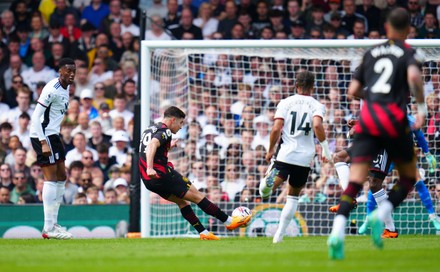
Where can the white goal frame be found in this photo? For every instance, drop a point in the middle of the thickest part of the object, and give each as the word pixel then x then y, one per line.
pixel 148 46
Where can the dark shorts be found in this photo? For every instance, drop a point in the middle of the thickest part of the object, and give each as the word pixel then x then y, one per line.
pixel 380 165
pixel 297 175
pixel 366 147
pixel 56 145
pixel 172 183
pixel 349 151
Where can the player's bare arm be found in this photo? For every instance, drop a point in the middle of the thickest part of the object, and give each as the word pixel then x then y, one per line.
pixel 274 137
pixel 174 143
pixel 150 153
pixel 318 128
pixel 416 87
pixel 355 89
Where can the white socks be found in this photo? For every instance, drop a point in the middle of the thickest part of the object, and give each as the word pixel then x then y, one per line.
pixel 287 213
pixel 49 203
pixel 339 226
pixel 343 173
pixel 381 198
pixel 61 186
pixel 384 213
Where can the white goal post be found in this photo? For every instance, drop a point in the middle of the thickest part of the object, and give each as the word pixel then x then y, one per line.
pixel 178 73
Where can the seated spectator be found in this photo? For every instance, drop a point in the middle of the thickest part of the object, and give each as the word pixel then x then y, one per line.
pixel 19 164
pixel 14 143
pixel 22 130
pixel 261 125
pixel 186 25
pixel 120 146
pixel 99 72
pixel 232 184
pixel 95 13
pixel 198 175
pixel 120 110
pixel 5 196
pixel 21 186
pixel 26 199
pixel 311 195
pixel 120 185
pixel 70 31
pixel 66 133
pixel 80 144
pixel 92 194
pixel 110 196
pixel 100 96
pixel 127 24
pixel 83 125
pixel 24 105
pixel 104 118
pixel 37 72
pixel 80 199
pixel 6 176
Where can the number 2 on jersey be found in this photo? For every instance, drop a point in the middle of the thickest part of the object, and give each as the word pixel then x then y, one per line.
pixel 384 67
pixel 304 127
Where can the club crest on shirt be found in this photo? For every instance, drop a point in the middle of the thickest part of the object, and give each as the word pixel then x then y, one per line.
pixel 168 133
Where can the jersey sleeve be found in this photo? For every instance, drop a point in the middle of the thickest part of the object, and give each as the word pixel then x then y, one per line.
pixel 359 71
pixel 281 112
pixel 318 110
pixel 162 135
pixel 46 97
pixel 417 57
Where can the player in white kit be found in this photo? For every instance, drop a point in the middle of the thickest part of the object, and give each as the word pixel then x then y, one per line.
pixel 45 138
pixel 297 120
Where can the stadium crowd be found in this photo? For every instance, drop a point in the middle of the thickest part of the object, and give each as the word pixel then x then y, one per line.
pixel 230 107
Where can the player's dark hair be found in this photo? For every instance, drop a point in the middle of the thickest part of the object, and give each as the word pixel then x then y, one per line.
pixel 305 80
pixel 174 112
pixel 66 61
pixel 399 18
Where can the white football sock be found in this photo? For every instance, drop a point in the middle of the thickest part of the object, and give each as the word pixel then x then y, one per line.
pixel 228 221
pixel 381 196
pixel 339 226
pixel 384 210
pixel 61 187
pixel 49 202
pixel 287 213
pixel 343 173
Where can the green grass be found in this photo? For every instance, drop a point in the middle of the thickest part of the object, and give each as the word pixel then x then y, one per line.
pixel 407 253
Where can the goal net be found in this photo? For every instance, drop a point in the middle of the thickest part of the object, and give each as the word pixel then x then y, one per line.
pixel 229 91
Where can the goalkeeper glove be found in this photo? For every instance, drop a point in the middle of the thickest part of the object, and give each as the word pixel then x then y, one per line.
pixel 432 162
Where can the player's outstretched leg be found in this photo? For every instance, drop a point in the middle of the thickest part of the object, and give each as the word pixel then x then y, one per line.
pixel 287 213
pixel 190 216
pixel 425 197
pixel 371 205
pixel 267 183
pixel 377 227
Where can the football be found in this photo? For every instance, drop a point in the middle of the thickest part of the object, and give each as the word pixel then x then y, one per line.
pixel 242 212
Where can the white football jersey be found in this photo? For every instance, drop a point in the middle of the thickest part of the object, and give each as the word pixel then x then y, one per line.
pixel 56 101
pixel 297 145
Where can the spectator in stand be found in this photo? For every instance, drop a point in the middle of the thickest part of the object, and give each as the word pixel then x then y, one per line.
pixel 21 13
pixel 261 125
pixel 83 125
pixel 5 135
pixel 227 23
pixel 429 28
pixel 267 33
pixel 350 16
pixel 21 186
pixel 246 31
pixel 6 176
pixel 80 199
pixel 131 53
pixel 157 30
pixel 232 184
pixel 197 175
pixel 5 196
pixel 120 109
pixel 23 100
pixel 261 19
pixel 115 41
pixel 8 25
pixel 104 118
pixel 56 54
pixel 104 162
pixel 130 70
pixel 24 40
pixel 70 30
pixel 95 13
pixel 22 130
pixel 317 21
pixel 79 141
pixel 127 24
pixel 99 73
pixel 172 18
pixel 82 80
pixel 359 30
pixel 36 46
pixel 121 187
pixel 92 194
pixel 247 6
pixel 370 12
pixel 334 9
pixel 390 5
pixel 14 143
pixel 97 136
pixel 60 12
pixel 186 25
pixel 86 105
pixel 374 34
pixel 38 72
pixel 56 37
pixel 120 146
pixel 85 43
pixel 129 90
pixel 297 30
pixel 38 30
pixel 16 67
pixel 110 196
pixel 113 17
pixel 414 10
pixel 205 21
pixel 75 171
pixel 19 164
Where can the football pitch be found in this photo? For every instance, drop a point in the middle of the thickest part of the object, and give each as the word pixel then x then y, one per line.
pixel 407 253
